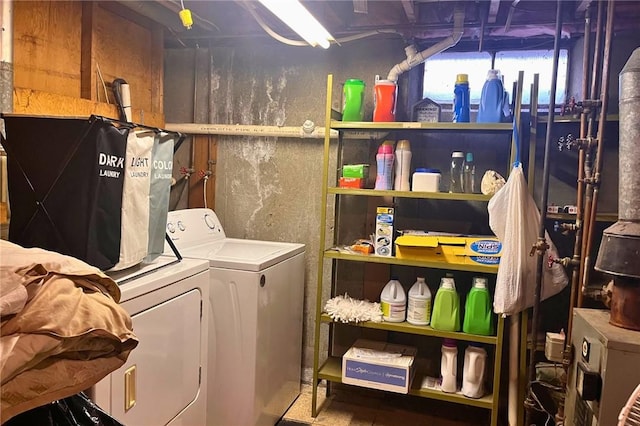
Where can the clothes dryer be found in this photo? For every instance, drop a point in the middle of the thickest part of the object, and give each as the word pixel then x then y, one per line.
pixel 163 381
pixel 255 333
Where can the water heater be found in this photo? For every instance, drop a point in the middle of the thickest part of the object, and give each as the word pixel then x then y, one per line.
pixel 605 369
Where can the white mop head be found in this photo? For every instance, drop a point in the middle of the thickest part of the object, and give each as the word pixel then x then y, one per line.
pixel 346 309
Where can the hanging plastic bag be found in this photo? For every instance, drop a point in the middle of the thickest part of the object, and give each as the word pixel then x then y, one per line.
pixel 76 410
pixel 514 218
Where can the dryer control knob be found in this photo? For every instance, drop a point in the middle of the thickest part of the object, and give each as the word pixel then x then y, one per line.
pixel 171 227
pixel 209 221
pixel 181 225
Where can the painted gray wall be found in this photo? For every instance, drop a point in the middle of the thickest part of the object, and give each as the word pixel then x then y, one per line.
pixel 269 188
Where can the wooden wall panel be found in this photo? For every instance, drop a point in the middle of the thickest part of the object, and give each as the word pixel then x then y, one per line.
pixel 33 102
pixel 59 46
pixel 124 49
pixel 47 46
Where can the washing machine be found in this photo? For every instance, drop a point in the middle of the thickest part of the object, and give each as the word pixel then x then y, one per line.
pixel 255 330
pixel 163 381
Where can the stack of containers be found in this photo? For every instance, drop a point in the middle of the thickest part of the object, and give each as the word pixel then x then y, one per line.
pixel 354 176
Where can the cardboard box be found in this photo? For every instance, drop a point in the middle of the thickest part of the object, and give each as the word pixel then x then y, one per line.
pixel 383 242
pixel 351 182
pixel 355 171
pixel 379 365
pixel 449 248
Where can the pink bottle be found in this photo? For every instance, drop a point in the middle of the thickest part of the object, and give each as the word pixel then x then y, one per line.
pixel 384 162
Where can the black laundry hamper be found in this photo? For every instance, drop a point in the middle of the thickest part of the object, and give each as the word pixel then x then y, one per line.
pixel 65 180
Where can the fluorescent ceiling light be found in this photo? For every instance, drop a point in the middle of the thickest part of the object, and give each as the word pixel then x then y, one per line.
pixel 298 18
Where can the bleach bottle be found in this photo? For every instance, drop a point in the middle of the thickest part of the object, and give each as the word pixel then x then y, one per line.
pixel 449 366
pixel 478 310
pixel 492 99
pixel 446 307
pixel 393 302
pixel 419 306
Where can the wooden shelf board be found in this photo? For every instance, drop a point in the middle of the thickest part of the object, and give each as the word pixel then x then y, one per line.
pixel 423 330
pixel 331 370
pixel 332 254
pixel 409 194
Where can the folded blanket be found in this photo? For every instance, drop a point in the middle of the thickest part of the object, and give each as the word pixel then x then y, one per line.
pixel 64 336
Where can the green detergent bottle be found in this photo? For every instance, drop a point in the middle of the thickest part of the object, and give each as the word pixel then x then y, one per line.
pixel 477 310
pixel 446 307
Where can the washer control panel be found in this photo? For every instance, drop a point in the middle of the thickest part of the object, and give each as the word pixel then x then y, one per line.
pixel 191 227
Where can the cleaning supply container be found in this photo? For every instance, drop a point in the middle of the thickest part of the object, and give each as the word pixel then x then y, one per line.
pixel 426 180
pixel 446 307
pixel 491 99
pixel 449 366
pixel 403 165
pixel 469 174
pixel 353 107
pixel 475 360
pixel 393 302
pixel 419 306
pixel 457 172
pixel 384 100
pixel 384 163
pixel 478 313
pixel 461 99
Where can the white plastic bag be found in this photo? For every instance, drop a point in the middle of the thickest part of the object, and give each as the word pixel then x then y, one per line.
pixel 514 218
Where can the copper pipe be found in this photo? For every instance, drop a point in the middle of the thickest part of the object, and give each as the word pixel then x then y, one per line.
pixel 588 168
pixel 575 272
pixel 600 147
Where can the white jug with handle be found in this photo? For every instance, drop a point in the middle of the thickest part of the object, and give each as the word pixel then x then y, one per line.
pixel 475 359
pixel 449 366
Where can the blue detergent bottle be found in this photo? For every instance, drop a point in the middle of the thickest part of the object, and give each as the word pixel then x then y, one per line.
pixel 461 99
pixel 491 99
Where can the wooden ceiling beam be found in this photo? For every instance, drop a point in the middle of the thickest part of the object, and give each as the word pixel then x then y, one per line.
pixel 493 11
pixel 409 10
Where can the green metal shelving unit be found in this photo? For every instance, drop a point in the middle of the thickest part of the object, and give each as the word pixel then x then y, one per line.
pixel 327 367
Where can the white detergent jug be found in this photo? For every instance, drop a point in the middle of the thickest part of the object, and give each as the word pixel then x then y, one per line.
pixel 393 302
pixel 475 359
pixel 449 366
pixel 419 306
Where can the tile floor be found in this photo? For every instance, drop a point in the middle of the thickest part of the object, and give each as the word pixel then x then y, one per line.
pixel 352 407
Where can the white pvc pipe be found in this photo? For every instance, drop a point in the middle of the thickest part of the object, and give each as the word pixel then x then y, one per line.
pixel 248 130
pixel 306 131
pixel 6 32
pixel 514 340
pixel 416 58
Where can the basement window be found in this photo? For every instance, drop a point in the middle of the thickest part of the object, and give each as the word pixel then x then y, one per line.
pixel 440 73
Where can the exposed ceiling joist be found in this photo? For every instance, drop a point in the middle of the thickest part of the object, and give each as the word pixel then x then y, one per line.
pixel 512 9
pixel 360 6
pixel 409 10
pixel 493 11
pixel 582 6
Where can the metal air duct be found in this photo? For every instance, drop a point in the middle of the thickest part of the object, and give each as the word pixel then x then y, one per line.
pixel 619 253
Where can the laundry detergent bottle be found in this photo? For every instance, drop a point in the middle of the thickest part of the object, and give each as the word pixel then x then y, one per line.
pixel 478 313
pixel 491 99
pixel 384 163
pixel 449 366
pixel 446 307
pixel 475 359
pixel 393 302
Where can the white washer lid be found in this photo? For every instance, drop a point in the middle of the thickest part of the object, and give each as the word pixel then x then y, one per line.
pixel 245 255
pixel 147 277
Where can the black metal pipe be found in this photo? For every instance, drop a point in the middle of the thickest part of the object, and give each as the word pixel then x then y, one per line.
pixel 541 243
